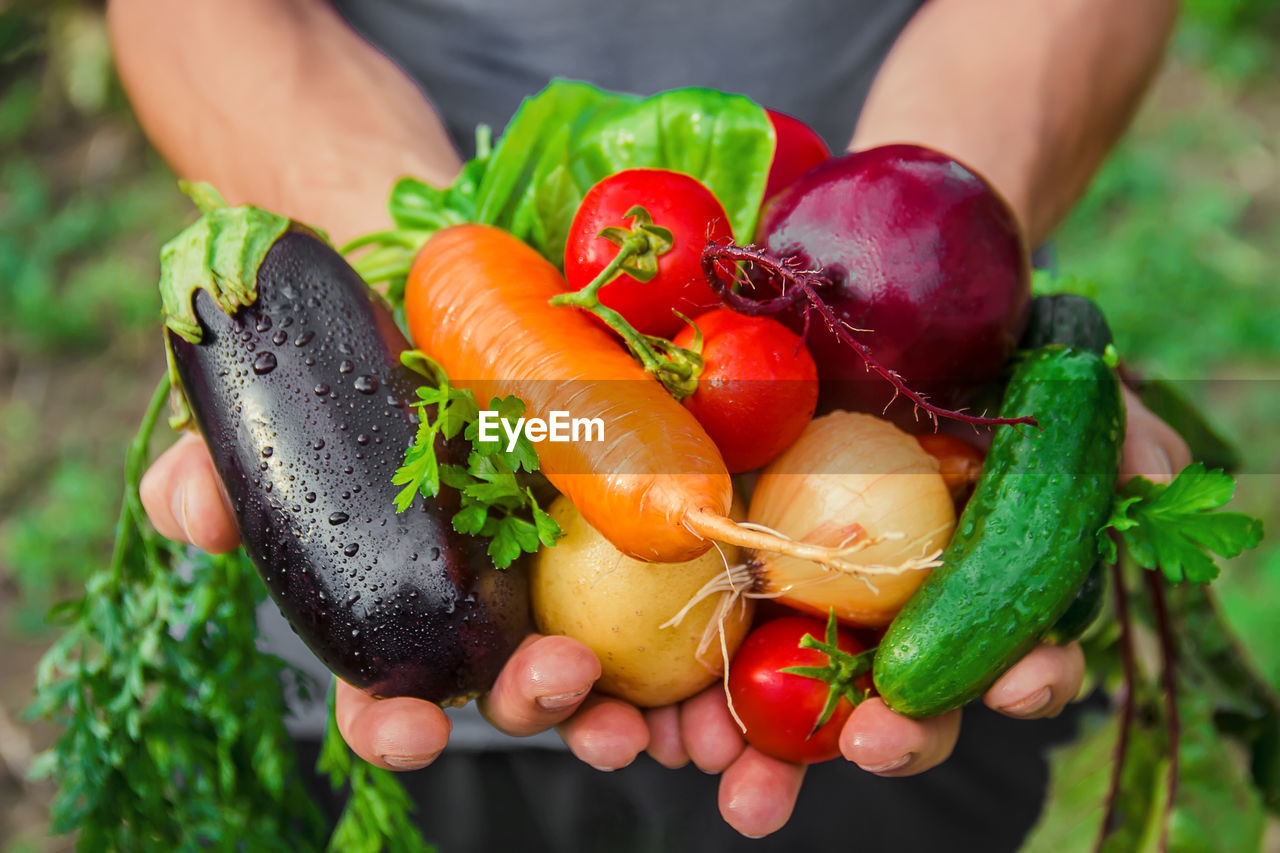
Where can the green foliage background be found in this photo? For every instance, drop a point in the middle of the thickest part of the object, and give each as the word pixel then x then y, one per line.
pixel 1178 238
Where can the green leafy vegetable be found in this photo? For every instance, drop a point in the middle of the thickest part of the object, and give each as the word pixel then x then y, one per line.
pixel 173 721
pixel 559 143
pixel 495 502
pixel 528 188
pixel 544 164
pixel 725 141
pixel 1079 784
pixel 1171 527
pixel 376 816
pixel 1214 808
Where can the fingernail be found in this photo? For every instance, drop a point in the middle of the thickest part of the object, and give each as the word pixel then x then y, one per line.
pixel 178 506
pixel 1032 704
pixel 888 765
pixel 603 769
pixel 561 701
pixel 409 762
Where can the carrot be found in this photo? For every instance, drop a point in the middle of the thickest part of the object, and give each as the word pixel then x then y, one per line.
pixel 656 487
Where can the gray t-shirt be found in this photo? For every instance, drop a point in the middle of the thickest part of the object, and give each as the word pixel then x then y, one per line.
pixel 476 59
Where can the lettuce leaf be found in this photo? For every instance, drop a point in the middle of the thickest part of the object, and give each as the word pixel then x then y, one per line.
pixel 572 134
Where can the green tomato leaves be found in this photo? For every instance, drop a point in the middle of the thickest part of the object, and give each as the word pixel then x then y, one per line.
pixel 1172 527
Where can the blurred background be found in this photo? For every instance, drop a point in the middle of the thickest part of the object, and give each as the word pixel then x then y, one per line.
pixel 1179 239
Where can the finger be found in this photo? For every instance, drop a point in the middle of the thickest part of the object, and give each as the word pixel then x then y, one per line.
pixel 665 743
pixel 758 793
pixel 606 733
pixel 1152 448
pixel 1039 685
pixel 542 684
pixel 394 734
pixel 709 733
pixel 184 500
pixel 883 742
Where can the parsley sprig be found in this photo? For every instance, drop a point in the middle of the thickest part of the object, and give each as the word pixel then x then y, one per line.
pixel 496 503
pixel 1174 527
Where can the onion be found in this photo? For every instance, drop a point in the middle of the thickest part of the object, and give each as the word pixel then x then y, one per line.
pixel 858 481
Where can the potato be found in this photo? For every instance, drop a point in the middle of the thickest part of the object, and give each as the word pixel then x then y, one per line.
pixel 585 588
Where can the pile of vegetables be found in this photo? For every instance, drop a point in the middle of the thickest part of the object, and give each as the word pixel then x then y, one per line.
pixel 702 278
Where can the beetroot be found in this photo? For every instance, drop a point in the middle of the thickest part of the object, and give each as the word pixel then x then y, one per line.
pixel 922 257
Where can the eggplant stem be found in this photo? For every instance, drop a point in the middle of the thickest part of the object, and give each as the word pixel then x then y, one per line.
pixel 804 293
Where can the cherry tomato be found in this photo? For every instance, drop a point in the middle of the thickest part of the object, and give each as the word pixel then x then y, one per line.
pixel 677 202
pixel 798 150
pixel 780 709
pixel 959 461
pixel 758 390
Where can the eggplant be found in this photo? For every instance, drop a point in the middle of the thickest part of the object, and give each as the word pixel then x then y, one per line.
pixel 290 367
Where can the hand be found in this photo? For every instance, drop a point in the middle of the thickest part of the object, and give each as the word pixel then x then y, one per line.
pixel 543 684
pixel 757 793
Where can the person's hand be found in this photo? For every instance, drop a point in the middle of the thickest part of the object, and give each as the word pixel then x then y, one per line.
pixel 546 680
pixel 758 793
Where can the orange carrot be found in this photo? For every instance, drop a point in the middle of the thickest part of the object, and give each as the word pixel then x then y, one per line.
pixel 656 487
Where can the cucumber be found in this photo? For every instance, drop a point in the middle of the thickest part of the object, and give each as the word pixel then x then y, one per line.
pixel 1083 609
pixel 1065 318
pixel 1024 543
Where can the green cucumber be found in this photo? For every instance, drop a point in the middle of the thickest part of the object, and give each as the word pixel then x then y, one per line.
pixel 1067 318
pixel 1024 543
pixel 1083 610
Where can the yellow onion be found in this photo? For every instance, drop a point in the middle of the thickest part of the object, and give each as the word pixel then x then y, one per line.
pixel 856 480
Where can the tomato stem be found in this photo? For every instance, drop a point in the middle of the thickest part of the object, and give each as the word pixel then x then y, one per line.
pixel 838 673
pixel 676 368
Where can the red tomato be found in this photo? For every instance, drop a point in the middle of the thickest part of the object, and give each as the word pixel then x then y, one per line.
pixel 780 709
pixel 799 149
pixel 677 202
pixel 758 390
pixel 959 461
